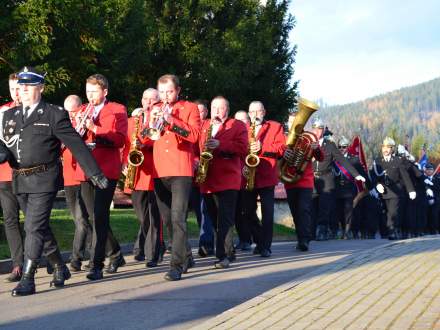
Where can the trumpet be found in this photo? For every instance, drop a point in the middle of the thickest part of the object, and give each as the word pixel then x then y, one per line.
pixel 155 131
pixel 82 118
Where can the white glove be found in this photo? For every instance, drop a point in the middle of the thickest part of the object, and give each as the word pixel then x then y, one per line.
pixel 429 193
pixel 429 182
pixel 431 202
pixel 412 195
pixel 373 193
pixel 360 178
pixel 380 188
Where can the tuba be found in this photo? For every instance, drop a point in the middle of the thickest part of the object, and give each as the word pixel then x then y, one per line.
pixel 205 157
pixel 252 161
pixel 300 142
pixel 135 156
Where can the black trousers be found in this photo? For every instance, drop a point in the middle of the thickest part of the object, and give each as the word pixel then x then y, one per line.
pixel 98 202
pixel 300 204
pixel 242 222
pixel 392 207
pixel 11 219
pixel 344 215
pixel 221 209
pixel 322 206
pixel 149 235
pixel 82 240
pixel 264 231
pixel 172 196
pixel 39 236
pixel 367 214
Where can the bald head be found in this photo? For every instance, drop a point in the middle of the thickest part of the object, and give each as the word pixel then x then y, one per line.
pixel 149 97
pixel 72 103
pixel 242 116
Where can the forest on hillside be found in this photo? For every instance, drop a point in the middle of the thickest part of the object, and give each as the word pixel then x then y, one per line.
pixel 410 115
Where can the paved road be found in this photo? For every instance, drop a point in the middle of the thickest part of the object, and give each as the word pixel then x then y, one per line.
pixel 396 286
pixel 139 298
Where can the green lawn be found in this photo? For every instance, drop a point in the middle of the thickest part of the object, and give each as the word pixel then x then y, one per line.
pixel 124 225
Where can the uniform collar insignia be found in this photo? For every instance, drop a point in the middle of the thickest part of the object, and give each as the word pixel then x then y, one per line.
pixel 40 111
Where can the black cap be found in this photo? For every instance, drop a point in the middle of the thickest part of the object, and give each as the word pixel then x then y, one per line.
pixel 29 76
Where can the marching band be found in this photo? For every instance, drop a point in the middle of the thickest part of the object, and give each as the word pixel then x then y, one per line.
pixel 169 154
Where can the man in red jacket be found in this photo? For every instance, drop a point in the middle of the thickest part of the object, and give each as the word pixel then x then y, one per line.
pixel 228 143
pixel 106 131
pixel 173 155
pixel 268 144
pixel 82 239
pixel 299 195
pixel 142 191
pixel 8 200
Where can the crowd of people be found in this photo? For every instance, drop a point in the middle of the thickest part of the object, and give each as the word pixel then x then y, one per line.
pixel 173 156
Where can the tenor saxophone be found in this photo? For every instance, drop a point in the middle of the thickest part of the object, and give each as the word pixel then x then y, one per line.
pixel 205 157
pixel 252 160
pixel 135 156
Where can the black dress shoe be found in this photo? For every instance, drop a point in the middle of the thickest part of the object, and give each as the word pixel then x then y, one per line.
pixel 75 265
pixel 49 268
pixel 151 264
pixel 15 275
pixel 265 253
pixel 173 275
pixel 60 274
pixel 26 286
pixel 190 263
pixel 302 246
pixel 222 264
pixel 114 265
pixel 95 274
pixel 139 257
pixel 256 250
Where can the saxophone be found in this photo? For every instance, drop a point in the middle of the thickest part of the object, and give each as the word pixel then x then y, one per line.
pixel 252 161
pixel 205 158
pixel 135 156
pixel 300 142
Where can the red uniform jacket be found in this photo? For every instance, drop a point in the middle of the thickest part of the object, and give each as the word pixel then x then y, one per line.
pixel 109 138
pixel 173 153
pixel 271 137
pixel 145 172
pixel 308 179
pixel 224 170
pixel 69 168
pixel 5 169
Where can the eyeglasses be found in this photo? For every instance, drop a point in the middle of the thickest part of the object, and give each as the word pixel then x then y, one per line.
pixel 342 147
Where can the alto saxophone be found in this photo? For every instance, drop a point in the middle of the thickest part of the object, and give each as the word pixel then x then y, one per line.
pixel 205 157
pixel 135 156
pixel 252 160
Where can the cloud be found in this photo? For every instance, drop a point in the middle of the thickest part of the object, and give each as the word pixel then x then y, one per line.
pixel 348 51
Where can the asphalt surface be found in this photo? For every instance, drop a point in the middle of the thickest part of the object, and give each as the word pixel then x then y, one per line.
pixel 139 298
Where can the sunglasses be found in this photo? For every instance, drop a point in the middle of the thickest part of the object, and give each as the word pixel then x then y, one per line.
pixel 342 147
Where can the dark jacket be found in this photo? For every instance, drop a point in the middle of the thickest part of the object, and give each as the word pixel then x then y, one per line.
pixel 392 175
pixel 39 143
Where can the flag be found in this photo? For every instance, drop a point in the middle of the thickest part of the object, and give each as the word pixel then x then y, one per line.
pixel 423 160
pixel 356 149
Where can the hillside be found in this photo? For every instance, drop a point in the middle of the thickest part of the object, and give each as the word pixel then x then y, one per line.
pixel 411 115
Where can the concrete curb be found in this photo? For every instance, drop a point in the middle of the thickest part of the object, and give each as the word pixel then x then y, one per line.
pixel 231 313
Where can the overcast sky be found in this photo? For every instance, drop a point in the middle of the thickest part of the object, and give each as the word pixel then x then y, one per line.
pixel 351 50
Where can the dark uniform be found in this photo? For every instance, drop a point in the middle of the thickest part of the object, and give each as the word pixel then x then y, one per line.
pixel 345 193
pixel 35 147
pixel 391 175
pixel 323 192
pixel 432 225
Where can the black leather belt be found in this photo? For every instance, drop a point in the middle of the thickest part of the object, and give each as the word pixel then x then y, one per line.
pixel 26 171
